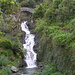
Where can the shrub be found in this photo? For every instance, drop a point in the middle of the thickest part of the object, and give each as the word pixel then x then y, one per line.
pixel 19 0
pixel 17 47
pixel 39 13
pixel 53 30
pixel 2 34
pixel 28 3
pixel 50 14
pixel 56 73
pixel 39 26
pixel 49 69
pixel 8 53
pixel 3 25
pixel 8 5
pixel 56 3
pixel 15 62
pixel 5 71
pixel 0 13
pixel 5 43
pixel 62 38
pixel 3 52
pixel 3 60
pixel 71 25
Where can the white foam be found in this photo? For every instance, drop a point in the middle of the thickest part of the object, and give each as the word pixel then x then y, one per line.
pixel 30 56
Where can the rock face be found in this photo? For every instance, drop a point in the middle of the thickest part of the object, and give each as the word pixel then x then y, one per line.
pixel 14 69
pixel 22 64
pixel 27 9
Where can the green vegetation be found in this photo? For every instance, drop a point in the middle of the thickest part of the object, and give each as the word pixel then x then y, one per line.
pixel 4 69
pixel 50 70
pixel 56 25
pixel 10 45
pixel 5 4
pixel 5 43
pixel 55 22
pixel 28 3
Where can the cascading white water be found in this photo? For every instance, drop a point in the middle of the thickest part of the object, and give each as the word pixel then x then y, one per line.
pixel 30 56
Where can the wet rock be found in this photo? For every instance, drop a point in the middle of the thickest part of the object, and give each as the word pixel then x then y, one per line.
pixel 22 64
pixel 14 69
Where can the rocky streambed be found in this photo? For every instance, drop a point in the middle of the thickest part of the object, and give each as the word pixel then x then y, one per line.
pixel 31 71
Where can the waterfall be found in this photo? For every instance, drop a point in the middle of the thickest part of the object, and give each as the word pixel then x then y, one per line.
pixel 30 56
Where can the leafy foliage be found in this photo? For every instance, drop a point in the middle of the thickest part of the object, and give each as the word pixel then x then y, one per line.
pixel 28 3
pixel 8 5
pixel 56 73
pixel 6 43
pixel 4 69
pixel 50 70
pixel 39 12
pixel 3 60
pixel 56 26
pixel 8 53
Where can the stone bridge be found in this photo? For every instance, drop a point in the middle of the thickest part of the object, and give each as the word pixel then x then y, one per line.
pixel 31 10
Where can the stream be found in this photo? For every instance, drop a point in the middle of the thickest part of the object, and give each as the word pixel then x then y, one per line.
pixel 27 71
pixel 30 56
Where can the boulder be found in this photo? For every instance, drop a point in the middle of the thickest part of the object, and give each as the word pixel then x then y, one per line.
pixel 14 69
pixel 22 64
